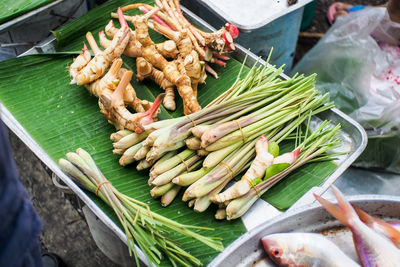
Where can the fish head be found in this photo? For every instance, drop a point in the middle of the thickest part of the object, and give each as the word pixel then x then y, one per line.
pixel 279 249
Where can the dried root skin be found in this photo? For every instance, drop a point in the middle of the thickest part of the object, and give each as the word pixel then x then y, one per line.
pixel 169 99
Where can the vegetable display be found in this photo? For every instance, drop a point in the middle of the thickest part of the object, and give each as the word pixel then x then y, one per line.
pixel 204 151
pixel 188 47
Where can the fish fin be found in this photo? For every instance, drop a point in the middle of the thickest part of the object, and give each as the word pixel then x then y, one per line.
pixel 391 231
pixel 333 209
pixel 347 210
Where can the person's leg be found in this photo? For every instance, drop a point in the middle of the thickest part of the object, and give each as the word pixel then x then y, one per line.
pixel 19 224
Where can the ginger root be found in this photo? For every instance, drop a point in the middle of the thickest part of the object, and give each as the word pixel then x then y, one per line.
pixel 146 70
pixel 169 69
pixel 112 106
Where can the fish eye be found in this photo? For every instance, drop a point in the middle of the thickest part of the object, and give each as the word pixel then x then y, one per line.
pixel 276 252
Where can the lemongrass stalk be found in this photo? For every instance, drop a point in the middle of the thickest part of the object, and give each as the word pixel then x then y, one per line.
pixel 175 226
pixel 158 191
pixel 130 140
pixel 155 152
pixel 118 135
pixel 90 170
pixel 170 163
pixel 167 176
pixel 193 143
pixel 168 197
pixel 73 172
pixel 141 153
pixel 129 155
pixel 143 164
pixel 266 124
pixel 161 124
pixel 255 129
pixel 191 203
pixel 166 156
pixel 223 171
pixel 189 178
pixel 118 151
pixel 214 116
pixel 219 110
pixel 283 95
pixel 202 152
pixel 228 93
pixel 220 214
pixel 199 130
pixel 215 157
pixel 138 221
pixel 202 203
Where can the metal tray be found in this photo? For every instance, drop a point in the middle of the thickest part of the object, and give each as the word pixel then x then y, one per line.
pixel 247 250
pixel 352 133
pixel 257 13
pixel 23 18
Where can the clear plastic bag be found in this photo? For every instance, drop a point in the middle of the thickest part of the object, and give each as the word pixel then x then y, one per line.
pixel 363 78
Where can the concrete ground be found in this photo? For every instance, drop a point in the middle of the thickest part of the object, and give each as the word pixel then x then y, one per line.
pixel 65 230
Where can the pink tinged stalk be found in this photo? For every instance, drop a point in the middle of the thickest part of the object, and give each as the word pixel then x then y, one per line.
pixel 155 17
pixel 289 157
pixel 211 71
pixel 219 56
pixel 92 43
pixel 219 62
pixel 149 114
pixel 121 18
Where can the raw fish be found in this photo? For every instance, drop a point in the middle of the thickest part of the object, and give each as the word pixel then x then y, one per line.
pixel 305 250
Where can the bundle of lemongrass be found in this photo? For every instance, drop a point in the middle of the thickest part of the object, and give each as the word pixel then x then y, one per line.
pixel 225 133
pixel 147 229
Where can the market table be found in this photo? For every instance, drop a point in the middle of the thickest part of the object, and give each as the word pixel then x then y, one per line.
pixel 24 135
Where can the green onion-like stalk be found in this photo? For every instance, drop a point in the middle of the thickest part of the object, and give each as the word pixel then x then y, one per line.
pixel 142 226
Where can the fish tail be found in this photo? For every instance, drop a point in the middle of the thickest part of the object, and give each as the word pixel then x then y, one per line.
pixel 390 231
pixel 343 212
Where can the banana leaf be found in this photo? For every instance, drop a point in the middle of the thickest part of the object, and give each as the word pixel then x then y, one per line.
pixel 62 117
pixel 10 9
